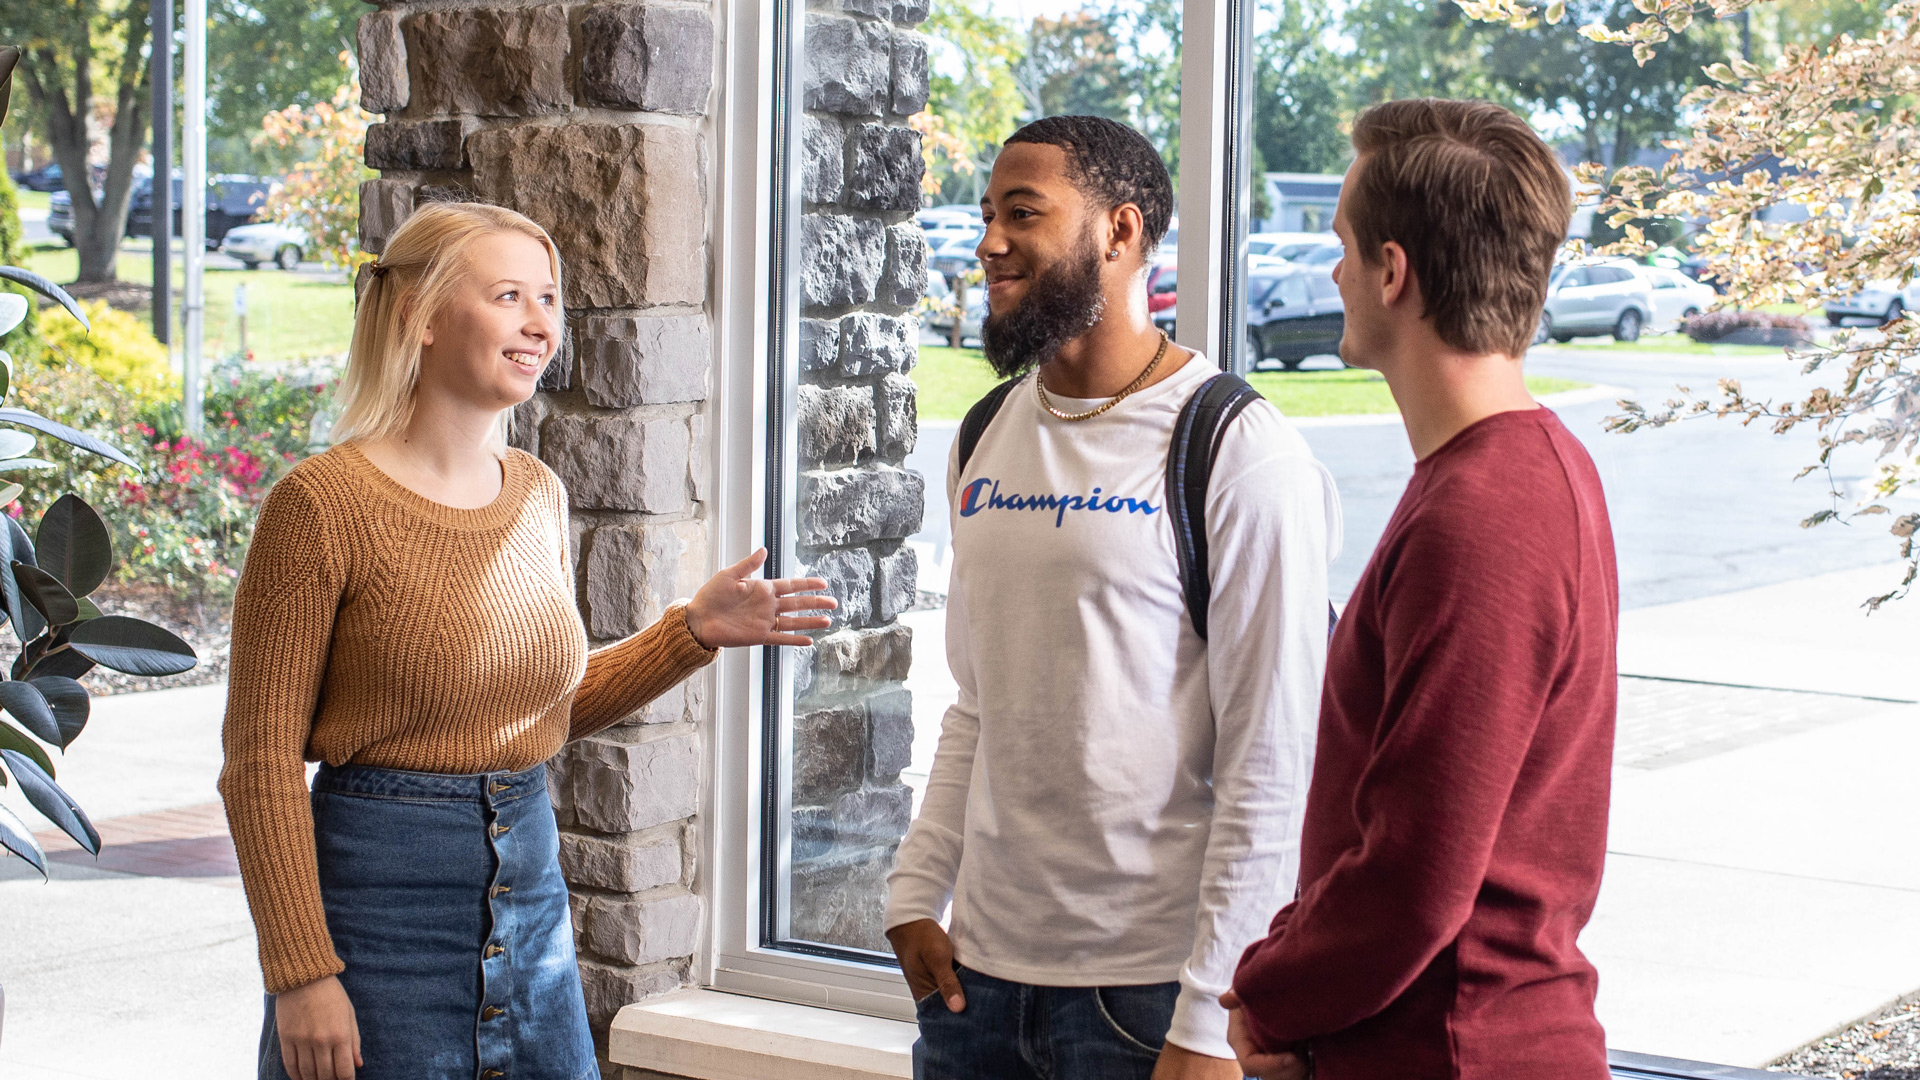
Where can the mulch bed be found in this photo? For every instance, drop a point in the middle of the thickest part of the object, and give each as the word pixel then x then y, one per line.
pixel 118 294
pixel 1885 1046
pixel 206 623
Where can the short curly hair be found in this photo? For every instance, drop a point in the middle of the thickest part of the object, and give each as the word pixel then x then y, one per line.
pixel 1111 164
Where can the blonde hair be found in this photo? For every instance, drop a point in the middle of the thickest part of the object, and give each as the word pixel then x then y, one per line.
pixel 413 279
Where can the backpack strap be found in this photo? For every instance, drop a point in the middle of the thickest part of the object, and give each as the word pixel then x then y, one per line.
pixel 979 416
pixel 1196 442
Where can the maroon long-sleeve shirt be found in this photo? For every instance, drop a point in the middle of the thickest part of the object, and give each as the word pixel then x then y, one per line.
pixel 1456 824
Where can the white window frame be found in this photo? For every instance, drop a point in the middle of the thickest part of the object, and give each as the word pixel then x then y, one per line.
pixel 744 167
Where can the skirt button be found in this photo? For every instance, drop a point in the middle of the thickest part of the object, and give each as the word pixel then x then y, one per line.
pixel 493 1074
pixel 492 1011
pixel 502 830
pixel 493 951
pixel 500 890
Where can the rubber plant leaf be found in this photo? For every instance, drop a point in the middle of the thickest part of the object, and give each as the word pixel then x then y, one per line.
pixel 28 419
pixel 44 591
pixel 46 287
pixel 27 623
pixel 11 464
pixel 14 443
pixel 12 739
pixel 133 646
pixel 46 797
pixel 60 663
pixel 15 838
pixel 70 703
pixel 29 706
pixel 73 544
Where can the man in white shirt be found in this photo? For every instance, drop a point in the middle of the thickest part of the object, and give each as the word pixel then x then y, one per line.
pixel 1114 809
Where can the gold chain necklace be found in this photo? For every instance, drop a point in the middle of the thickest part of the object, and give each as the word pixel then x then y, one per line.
pixel 1040 389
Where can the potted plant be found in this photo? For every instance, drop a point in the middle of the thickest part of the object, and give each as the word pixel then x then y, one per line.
pixel 45 581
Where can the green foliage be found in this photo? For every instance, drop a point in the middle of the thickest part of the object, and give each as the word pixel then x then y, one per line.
pixel 1300 96
pixel 184 515
pixel 274 54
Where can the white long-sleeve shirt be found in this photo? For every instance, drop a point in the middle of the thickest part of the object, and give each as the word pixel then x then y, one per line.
pixel 1115 800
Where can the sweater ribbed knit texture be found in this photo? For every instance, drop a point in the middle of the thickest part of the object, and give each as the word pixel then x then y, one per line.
pixel 376 627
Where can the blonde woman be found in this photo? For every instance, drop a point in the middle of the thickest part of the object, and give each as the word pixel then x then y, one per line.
pixel 407 619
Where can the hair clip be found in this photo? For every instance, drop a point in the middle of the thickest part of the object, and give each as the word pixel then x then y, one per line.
pixel 377 269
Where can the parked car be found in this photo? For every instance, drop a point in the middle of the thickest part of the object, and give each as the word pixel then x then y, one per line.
pixel 1317 255
pixel 1289 245
pixel 942 218
pixel 1676 297
pixel 266 241
pixel 48 177
pixel 231 201
pixel 1163 285
pixel 1608 297
pixel 1884 301
pixel 1293 312
pixel 954 255
pixel 971 319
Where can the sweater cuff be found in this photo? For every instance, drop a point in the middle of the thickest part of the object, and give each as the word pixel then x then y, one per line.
pixel 1199 1024
pixel 686 648
pixel 284 973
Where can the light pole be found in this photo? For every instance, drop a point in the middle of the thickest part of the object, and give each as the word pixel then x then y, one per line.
pixel 193 213
pixel 160 65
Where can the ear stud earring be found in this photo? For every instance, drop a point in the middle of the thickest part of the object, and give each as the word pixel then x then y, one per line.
pixel 1113 254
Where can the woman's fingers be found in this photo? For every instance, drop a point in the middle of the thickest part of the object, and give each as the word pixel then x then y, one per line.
pixel 788 585
pixel 807 603
pixel 748 566
pixel 340 1060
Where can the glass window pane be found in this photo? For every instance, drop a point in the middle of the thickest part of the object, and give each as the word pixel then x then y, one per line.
pixel 886 365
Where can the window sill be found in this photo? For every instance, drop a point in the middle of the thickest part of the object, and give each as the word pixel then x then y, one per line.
pixel 709 1035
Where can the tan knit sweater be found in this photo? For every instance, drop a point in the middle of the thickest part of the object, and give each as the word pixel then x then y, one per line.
pixel 377 627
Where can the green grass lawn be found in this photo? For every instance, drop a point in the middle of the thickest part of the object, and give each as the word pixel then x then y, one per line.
pixel 1679 344
pixel 37 200
pixel 289 316
pixel 950 380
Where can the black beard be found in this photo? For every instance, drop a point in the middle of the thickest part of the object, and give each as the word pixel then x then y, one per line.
pixel 1063 302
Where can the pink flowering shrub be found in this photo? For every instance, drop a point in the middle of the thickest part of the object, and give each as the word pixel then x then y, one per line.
pixel 184 518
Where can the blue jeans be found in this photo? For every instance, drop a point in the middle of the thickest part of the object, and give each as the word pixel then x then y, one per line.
pixel 1012 1031
pixel 444 899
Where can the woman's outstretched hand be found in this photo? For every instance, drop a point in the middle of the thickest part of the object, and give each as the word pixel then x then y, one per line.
pixel 735 608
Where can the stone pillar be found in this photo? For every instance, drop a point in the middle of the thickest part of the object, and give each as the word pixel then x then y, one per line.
pixel 862 266
pixel 591 119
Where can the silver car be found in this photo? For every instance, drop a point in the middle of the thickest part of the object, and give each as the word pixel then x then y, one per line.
pixel 1595 298
pixel 266 241
pixel 1883 301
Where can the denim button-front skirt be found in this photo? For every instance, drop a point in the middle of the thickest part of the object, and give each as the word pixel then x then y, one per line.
pixel 445 901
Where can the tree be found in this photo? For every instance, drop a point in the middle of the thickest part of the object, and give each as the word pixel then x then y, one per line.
pixel 1072 66
pixel 1623 105
pixel 322 193
pixel 974 93
pixel 1420 48
pixel 1300 97
pixel 273 54
pixel 1830 128
pixel 69 45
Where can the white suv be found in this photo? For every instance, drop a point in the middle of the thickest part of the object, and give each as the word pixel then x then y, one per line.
pixel 1596 298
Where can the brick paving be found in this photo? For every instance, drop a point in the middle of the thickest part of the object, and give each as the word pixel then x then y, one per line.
pixel 1664 722
pixel 184 842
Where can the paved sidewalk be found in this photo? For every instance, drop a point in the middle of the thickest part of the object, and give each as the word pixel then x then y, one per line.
pixel 142 964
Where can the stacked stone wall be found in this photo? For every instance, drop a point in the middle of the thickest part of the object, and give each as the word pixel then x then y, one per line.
pixel 591 118
pixel 862 265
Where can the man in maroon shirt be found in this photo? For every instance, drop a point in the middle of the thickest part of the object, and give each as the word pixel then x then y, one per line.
pixel 1456 823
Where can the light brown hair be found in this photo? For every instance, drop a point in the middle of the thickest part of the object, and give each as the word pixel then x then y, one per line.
pixel 419 270
pixel 1479 203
